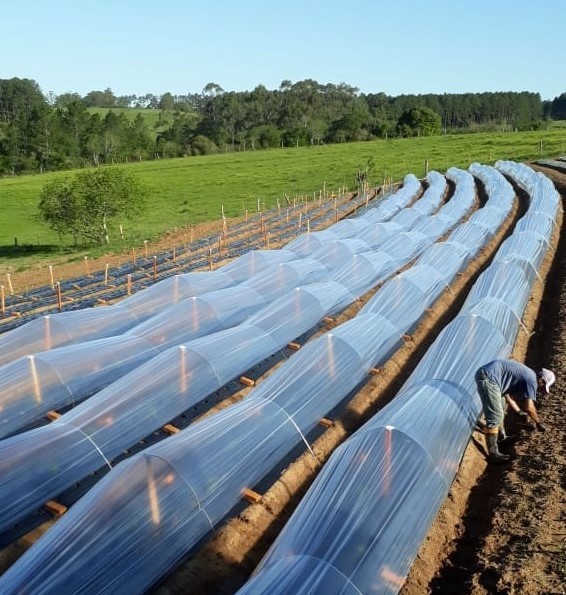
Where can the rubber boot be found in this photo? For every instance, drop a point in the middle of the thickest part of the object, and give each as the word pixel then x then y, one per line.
pixel 494 455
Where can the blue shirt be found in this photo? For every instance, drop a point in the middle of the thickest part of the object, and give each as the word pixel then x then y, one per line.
pixel 513 378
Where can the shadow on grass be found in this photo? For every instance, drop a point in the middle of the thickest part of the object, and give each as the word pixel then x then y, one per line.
pixel 29 249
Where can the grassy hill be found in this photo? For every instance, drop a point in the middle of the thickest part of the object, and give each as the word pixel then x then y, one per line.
pixel 194 189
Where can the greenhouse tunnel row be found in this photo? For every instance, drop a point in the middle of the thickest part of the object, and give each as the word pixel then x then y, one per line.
pixel 38 383
pixel 55 330
pixel 160 503
pixel 93 434
pixel 360 525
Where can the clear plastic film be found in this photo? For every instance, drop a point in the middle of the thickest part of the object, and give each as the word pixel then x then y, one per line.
pixel 496 282
pixel 35 385
pixel 307 244
pixel 526 249
pixel 284 275
pixel 391 472
pixel 255 261
pixel 375 233
pixel 407 217
pixel 200 315
pixel 164 387
pixel 415 289
pixel 147 398
pixel 433 196
pixel 56 330
pixel 155 298
pixel 471 234
pixel 65 328
pixel 433 226
pixel 427 426
pixel 448 258
pixel 219 461
pixel 390 205
pixel 540 223
pixel 67 375
pixel 366 270
pixel 335 252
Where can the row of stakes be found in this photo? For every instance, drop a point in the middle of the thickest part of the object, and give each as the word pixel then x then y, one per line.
pixel 56 285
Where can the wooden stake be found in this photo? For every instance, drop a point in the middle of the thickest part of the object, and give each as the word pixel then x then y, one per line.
pixel 10 283
pixel 129 285
pixel 145 247
pixel 210 259
pixel 171 429
pixel 53 415
pixel 55 508
pixel 174 253
pixel 87 267
pixel 3 300
pixel 247 381
pixel 155 267
pixel 51 277
pixel 106 274
pixel 251 496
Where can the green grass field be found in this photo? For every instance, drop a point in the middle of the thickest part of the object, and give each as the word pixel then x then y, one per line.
pixel 194 189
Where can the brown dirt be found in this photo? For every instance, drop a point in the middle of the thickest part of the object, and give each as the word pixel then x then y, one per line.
pixel 500 531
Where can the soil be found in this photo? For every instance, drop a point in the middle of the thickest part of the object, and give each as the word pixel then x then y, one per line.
pixel 502 529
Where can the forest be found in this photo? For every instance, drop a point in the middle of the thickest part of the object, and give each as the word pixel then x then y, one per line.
pixel 45 132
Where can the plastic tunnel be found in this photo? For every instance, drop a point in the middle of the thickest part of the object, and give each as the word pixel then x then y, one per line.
pixel 108 424
pixel 151 509
pixel 66 376
pixel 361 524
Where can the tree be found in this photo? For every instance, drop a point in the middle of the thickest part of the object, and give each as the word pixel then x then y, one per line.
pixel 167 102
pixel 104 98
pixel 84 205
pixel 418 121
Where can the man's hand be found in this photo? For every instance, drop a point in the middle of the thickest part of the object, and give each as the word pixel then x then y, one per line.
pixel 522 414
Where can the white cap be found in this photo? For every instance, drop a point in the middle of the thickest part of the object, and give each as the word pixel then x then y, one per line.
pixel 548 377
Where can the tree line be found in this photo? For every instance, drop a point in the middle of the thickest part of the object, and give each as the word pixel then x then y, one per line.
pixel 47 132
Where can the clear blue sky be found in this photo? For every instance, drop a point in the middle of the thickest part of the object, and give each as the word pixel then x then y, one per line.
pixel 394 47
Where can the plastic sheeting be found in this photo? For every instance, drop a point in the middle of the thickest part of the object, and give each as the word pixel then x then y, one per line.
pixel 65 328
pixel 266 273
pixel 65 376
pixel 361 524
pixel 169 376
pixel 153 494
pixel 113 411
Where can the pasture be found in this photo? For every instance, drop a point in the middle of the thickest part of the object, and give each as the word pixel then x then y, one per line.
pixel 191 190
